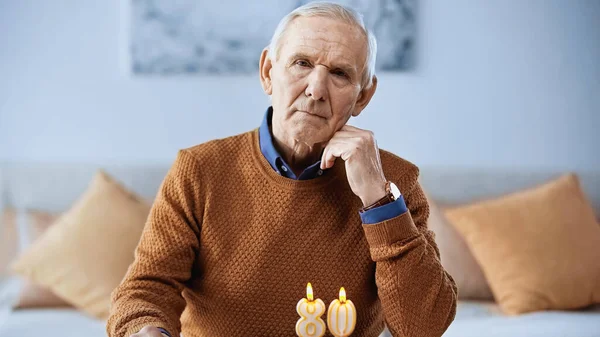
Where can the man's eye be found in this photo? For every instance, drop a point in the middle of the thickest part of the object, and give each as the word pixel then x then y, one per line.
pixel 302 63
pixel 340 73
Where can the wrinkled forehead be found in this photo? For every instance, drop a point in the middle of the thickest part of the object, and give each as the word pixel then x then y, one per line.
pixel 325 38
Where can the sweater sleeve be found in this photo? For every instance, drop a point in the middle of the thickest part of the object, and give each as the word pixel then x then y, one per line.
pixel 418 296
pixel 150 293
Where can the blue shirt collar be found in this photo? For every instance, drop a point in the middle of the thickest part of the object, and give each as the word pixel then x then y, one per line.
pixel 277 162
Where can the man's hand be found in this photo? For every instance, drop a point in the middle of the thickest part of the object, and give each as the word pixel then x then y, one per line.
pixel 148 331
pixel 359 151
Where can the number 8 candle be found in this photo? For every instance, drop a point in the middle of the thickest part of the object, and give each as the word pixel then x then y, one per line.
pixel 310 323
pixel 341 316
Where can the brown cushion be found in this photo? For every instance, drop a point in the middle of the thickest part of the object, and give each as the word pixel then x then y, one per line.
pixel 86 253
pixel 33 295
pixel 539 248
pixel 9 239
pixel 457 258
pixel 38 222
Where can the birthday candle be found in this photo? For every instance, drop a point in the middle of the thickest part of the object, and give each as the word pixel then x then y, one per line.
pixel 310 310
pixel 341 316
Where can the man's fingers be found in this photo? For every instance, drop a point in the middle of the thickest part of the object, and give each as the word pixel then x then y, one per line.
pixel 333 150
pixel 347 144
pixel 329 159
pixel 324 157
pixel 343 142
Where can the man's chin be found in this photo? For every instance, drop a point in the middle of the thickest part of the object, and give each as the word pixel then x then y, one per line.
pixel 310 139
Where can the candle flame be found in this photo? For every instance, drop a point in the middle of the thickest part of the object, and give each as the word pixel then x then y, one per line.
pixel 342 295
pixel 309 292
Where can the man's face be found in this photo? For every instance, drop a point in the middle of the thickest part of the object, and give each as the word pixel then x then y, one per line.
pixel 314 82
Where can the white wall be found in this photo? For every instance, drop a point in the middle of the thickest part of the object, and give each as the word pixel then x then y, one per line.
pixel 498 83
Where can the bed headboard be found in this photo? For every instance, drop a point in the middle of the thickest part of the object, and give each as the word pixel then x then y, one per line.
pixel 54 187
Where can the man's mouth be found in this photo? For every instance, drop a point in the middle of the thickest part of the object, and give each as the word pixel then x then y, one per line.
pixel 314 114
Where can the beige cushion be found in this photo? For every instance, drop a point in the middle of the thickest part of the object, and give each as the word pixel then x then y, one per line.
pixel 457 258
pixel 33 295
pixel 9 239
pixel 539 248
pixel 86 253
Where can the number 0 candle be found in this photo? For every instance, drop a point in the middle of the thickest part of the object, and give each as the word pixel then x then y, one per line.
pixel 310 323
pixel 341 316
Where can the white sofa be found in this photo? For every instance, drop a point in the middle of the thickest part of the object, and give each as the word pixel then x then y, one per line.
pixel 53 187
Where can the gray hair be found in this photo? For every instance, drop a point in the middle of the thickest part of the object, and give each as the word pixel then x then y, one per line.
pixel 334 11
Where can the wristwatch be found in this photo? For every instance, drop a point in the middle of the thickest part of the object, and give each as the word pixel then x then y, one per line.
pixel 392 193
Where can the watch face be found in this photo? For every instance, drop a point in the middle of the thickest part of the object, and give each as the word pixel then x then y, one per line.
pixel 395 191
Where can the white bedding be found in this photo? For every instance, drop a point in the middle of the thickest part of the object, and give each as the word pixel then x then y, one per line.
pixel 475 319
pixel 51 323
pixel 472 319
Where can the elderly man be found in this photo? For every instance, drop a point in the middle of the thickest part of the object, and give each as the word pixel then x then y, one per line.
pixel 242 224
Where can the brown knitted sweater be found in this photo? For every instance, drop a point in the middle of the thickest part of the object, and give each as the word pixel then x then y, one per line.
pixel 230 245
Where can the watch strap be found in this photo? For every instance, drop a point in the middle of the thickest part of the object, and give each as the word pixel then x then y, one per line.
pixel 388 198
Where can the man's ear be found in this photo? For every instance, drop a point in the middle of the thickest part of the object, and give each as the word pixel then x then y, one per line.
pixel 364 98
pixel 265 67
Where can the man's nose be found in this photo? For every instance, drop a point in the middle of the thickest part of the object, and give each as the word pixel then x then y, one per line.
pixel 317 84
